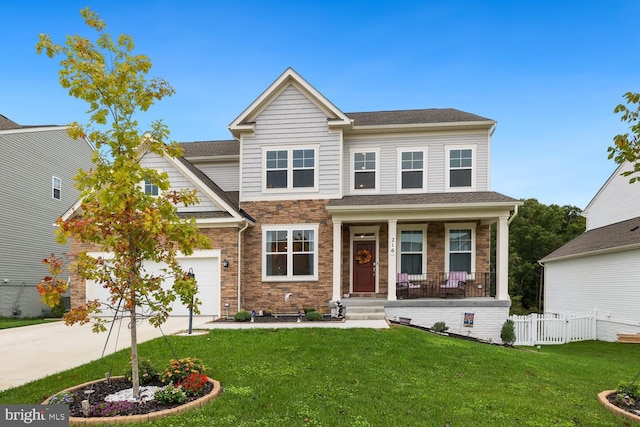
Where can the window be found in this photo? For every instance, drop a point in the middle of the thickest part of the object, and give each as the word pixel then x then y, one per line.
pixel 290 252
pixel 56 187
pixel 412 169
pixel 460 168
pixel 364 170
pixel 287 169
pixel 460 249
pixel 412 251
pixel 149 188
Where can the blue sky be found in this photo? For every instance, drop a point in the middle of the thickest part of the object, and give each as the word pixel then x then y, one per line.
pixel 549 72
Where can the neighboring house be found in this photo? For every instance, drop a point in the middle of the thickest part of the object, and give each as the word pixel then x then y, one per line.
pixel 309 205
pixel 37 166
pixel 598 272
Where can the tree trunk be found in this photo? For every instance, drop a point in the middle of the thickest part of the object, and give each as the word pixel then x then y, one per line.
pixel 135 378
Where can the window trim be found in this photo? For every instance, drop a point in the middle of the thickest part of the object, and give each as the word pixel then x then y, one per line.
pixel 460 226
pixel 289 277
pixel 352 170
pixel 290 168
pixel 447 177
pixel 400 151
pixel 54 188
pixel 412 227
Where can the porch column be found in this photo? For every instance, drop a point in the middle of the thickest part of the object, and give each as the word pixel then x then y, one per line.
pixel 391 267
pixel 337 258
pixel 502 259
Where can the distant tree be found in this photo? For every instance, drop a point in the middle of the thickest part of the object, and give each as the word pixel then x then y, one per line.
pixel 537 231
pixel 117 215
pixel 626 146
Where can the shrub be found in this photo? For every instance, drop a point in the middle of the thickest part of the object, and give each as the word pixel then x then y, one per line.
pixel 193 383
pixel 170 394
pixel 242 316
pixel 178 370
pixel 508 332
pixel 440 327
pixel 146 372
pixel 58 310
pixel 313 316
pixel 308 310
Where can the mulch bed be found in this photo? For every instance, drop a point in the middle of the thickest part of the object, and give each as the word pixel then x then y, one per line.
pixel 287 318
pixel 104 389
pixel 633 409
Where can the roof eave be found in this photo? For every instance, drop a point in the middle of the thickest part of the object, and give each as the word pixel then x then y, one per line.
pixel 591 253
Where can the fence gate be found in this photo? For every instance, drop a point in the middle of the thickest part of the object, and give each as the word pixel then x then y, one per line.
pixel 553 328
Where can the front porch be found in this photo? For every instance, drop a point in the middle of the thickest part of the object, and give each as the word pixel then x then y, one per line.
pixel 436 285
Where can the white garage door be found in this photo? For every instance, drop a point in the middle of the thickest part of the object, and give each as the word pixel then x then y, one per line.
pixel 206 268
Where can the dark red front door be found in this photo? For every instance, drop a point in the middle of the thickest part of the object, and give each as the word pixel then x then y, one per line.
pixel 364 267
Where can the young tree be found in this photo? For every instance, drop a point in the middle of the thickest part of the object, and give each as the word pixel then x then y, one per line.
pixel 626 146
pixel 116 214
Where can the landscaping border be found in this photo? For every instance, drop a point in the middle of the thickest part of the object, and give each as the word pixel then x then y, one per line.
pixel 602 397
pixel 94 421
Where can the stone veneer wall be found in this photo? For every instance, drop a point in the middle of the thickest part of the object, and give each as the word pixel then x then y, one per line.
pixel 258 295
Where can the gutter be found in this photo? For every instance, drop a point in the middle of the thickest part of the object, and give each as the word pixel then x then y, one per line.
pixel 246 225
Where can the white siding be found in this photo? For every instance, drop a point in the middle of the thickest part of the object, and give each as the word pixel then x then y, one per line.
pixel 178 181
pixel 291 120
pixel 436 163
pixel 608 283
pixel 616 192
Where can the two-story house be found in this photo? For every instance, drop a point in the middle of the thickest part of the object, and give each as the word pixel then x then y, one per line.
pixel 309 205
pixel 37 166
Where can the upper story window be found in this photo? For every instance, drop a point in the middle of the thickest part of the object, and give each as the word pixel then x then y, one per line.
pixel 151 189
pixel 460 172
pixel 290 252
pixel 290 168
pixel 412 170
pixel 56 187
pixel 365 170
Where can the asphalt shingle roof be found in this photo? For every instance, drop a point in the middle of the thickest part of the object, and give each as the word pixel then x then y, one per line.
pixel 401 117
pixel 423 199
pixel 624 233
pixel 210 148
pixel 6 124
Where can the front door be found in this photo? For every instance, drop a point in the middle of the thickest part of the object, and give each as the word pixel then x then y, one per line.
pixel 364 266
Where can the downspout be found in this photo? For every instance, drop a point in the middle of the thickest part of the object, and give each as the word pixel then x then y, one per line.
pixel 246 225
pixel 515 214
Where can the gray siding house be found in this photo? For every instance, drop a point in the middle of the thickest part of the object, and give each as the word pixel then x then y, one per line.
pixel 37 165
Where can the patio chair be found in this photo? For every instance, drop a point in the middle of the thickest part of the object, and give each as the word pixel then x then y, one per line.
pixel 403 285
pixel 455 284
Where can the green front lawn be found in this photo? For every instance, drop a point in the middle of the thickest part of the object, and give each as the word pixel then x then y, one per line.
pixel 13 322
pixel 395 377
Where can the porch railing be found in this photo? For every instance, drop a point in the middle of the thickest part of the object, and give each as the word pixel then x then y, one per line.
pixel 433 285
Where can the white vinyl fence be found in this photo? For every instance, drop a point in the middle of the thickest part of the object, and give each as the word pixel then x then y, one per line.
pixel 553 328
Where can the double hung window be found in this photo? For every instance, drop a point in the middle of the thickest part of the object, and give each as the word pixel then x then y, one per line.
pixel 460 248
pixel 365 170
pixel 461 168
pixel 412 170
pixel 290 168
pixel 149 188
pixel 56 188
pixel 412 254
pixel 290 252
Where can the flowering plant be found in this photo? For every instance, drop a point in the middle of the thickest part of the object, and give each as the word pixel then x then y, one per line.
pixel 363 256
pixel 146 372
pixel 61 399
pixel 111 409
pixel 179 370
pixel 193 383
pixel 170 394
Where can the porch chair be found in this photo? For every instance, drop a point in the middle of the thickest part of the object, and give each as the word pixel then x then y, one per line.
pixel 403 285
pixel 455 284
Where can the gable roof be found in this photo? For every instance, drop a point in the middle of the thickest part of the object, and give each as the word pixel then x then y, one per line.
pixel 6 124
pixel 618 236
pixel 244 122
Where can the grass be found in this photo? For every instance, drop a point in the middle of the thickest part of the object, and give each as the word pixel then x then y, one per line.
pixel 363 377
pixel 11 322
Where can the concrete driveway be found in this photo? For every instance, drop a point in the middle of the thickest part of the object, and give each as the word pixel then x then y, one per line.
pixel 31 352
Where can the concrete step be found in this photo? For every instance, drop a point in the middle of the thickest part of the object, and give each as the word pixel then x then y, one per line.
pixel 364 308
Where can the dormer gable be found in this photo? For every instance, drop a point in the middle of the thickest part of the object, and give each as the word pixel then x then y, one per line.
pixel 245 121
